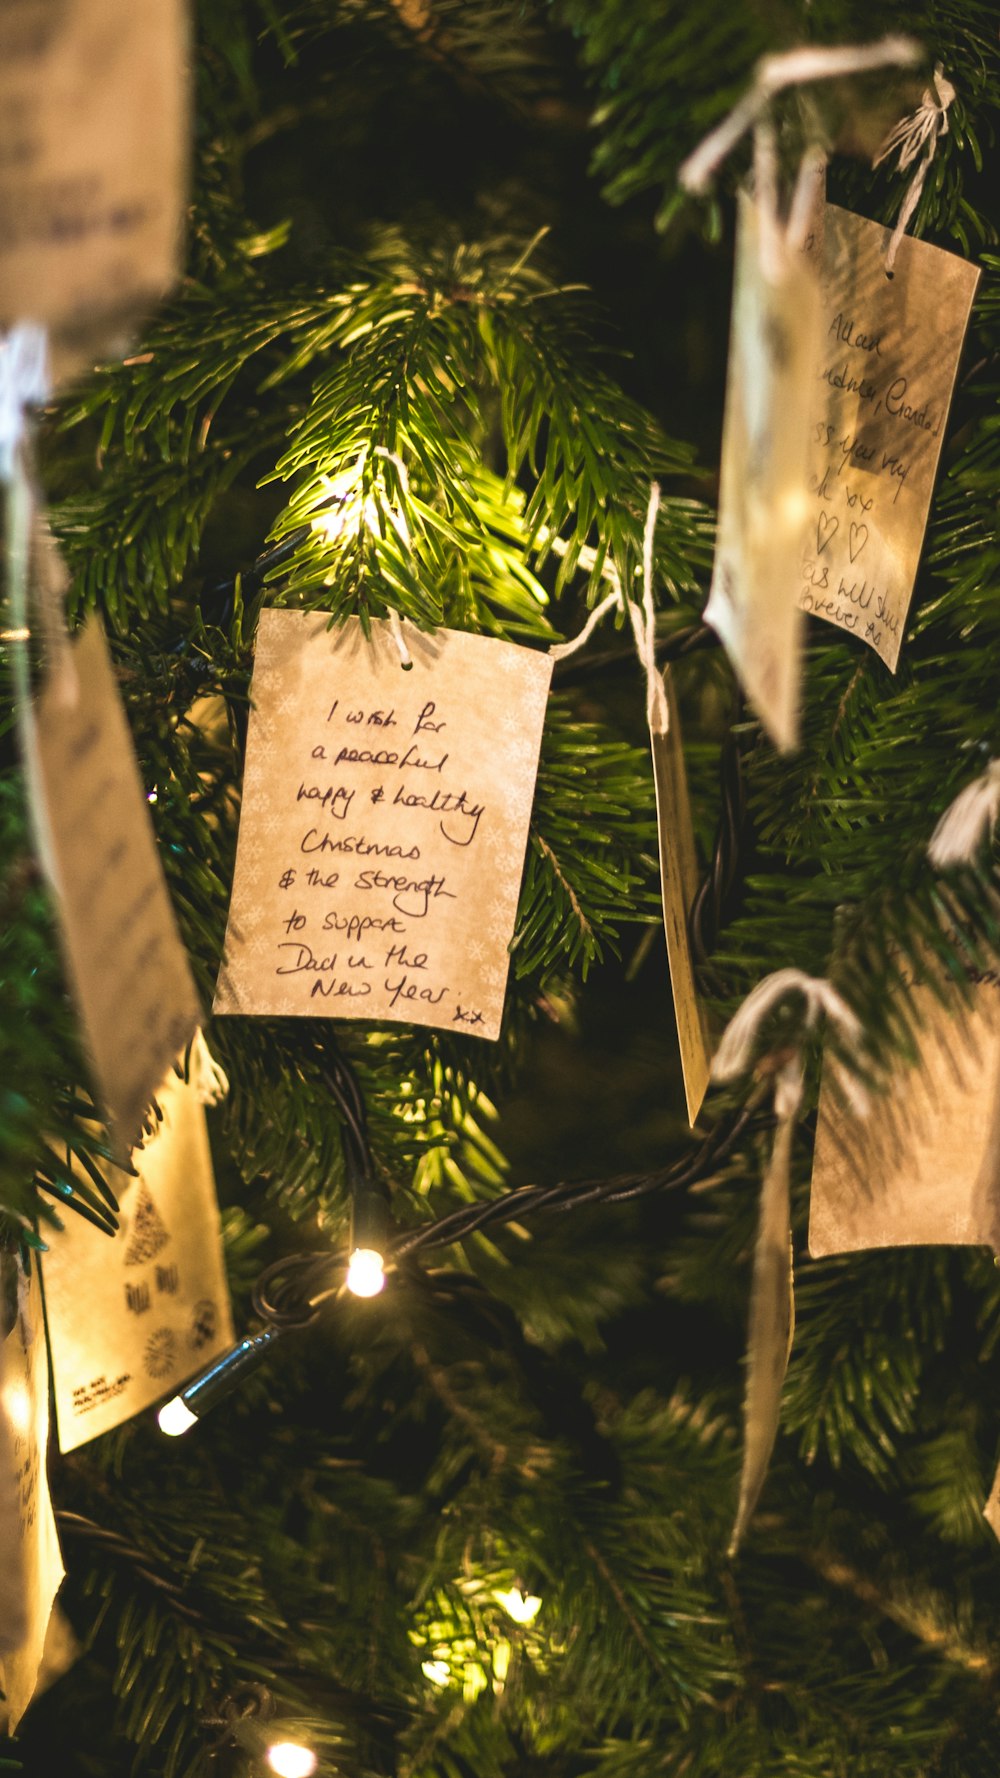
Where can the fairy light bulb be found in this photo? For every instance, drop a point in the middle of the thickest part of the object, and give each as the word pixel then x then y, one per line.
pixel 289 1759
pixel 175 1417
pixel 522 1607
pixel 365 1272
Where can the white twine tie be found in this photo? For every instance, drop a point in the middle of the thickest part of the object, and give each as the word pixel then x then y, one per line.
pixel 207 1078
pixel 735 1051
pixel 643 621
pixel 921 130
pixel 966 823
pixel 771 76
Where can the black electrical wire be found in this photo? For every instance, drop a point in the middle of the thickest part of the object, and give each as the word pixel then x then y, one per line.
pixel 533 1200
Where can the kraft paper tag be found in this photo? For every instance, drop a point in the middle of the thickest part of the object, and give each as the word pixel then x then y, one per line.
pixel 924 1166
pixel 132 1317
pixel 93 154
pixel 882 388
pixel 678 887
pixel 129 971
pixel 762 493
pixel 384 824
pixel 30 1562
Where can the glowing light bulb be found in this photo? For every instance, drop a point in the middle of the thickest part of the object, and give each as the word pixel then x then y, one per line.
pixel 365 1272
pixel 291 1760
pixel 175 1417
pixel 438 1672
pixel 522 1607
pixel 151 796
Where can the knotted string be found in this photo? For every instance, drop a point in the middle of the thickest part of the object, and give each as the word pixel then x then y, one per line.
pixel 921 130
pixel 735 1051
pixel 643 620
pixel 207 1078
pixel 771 76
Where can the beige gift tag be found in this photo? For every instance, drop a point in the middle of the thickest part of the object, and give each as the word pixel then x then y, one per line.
pixel 762 494
pixel 130 1318
pixel 924 1166
pixel 128 968
pixel 678 887
pixel 882 387
pixel 384 824
pixel 93 153
pixel 30 1562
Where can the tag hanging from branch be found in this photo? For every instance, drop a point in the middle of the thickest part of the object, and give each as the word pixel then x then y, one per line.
pixel 384 824
pixel 874 427
pixel 762 491
pixel 675 829
pixel 675 835
pixel 880 390
pixel 132 1316
pixel 93 168
pixel 927 1168
pixel 127 966
pixel 772 1299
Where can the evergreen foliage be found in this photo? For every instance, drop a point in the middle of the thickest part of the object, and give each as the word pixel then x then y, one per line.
pixel 381 388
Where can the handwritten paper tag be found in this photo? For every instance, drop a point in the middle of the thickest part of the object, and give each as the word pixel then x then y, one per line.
pixel 923 1167
pixel 128 968
pixel 30 1562
pixel 384 824
pixel 678 887
pixel 93 151
pixel 753 603
pixel 130 1318
pixel 882 388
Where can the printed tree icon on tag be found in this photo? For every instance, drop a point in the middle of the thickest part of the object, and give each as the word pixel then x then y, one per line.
pixel 149 1233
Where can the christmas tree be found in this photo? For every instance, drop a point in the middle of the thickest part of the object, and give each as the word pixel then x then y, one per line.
pixel 447 313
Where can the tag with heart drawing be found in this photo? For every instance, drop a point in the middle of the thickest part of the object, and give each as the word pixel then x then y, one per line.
pixel 883 381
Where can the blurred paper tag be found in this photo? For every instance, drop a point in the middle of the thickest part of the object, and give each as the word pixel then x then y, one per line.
pixel 762 494
pixel 384 824
pixel 93 160
pixel 881 391
pixel 679 885
pixel 772 1325
pixel 30 1562
pixel 133 1316
pixel 129 971
pixel 924 1166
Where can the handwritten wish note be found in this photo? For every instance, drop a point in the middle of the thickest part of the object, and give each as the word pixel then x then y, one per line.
pixel 753 603
pixel 30 1562
pixel 882 388
pixel 93 151
pixel 384 824
pixel 127 966
pixel 133 1316
pixel 679 886
pixel 924 1166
